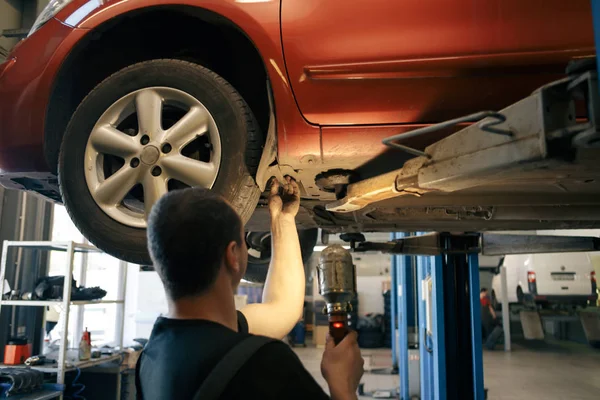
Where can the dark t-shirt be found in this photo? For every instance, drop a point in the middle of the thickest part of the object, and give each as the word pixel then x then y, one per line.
pixel 181 354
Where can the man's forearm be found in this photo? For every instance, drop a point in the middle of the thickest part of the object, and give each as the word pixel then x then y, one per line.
pixel 285 282
pixel 283 294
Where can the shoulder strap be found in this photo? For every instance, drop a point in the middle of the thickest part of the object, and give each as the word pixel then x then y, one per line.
pixel 216 382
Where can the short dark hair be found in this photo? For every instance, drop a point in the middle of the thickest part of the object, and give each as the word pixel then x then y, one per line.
pixel 188 232
pixel 483 289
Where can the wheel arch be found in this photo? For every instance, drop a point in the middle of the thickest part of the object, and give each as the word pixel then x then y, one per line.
pixel 134 36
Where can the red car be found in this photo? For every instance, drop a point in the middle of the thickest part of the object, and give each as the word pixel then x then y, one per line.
pixel 108 104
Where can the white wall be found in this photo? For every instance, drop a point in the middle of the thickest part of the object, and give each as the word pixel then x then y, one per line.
pixel 370 294
pixel 131 301
pixel 150 303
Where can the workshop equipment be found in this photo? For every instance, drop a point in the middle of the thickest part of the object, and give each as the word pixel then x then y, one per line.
pixel 39 360
pixel 15 381
pixel 16 351
pixel 337 284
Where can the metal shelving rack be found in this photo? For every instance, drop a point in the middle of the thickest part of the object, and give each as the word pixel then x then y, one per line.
pixel 61 367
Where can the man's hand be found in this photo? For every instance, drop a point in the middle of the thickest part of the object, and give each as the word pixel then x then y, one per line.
pixel 288 203
pixel 342 367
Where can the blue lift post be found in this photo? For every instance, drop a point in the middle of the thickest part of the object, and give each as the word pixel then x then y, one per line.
pixel 449 324
pixel 432 347
pixel 401 264
pixel 447 282
pixel 438 331
pixel 462 329
pixel 477 352
pixel 425 352
pixel 394 301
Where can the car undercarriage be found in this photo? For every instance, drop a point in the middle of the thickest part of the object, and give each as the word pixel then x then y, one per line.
pixel 531 166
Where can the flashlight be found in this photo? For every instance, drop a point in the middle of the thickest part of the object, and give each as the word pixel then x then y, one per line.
pixel 337 284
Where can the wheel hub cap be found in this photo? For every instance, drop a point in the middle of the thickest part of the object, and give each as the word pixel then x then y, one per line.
pixel 150 155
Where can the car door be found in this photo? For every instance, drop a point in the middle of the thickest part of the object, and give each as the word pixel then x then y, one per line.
pixel 363 62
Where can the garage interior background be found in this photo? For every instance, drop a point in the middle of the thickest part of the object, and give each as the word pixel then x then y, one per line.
pixel 27 217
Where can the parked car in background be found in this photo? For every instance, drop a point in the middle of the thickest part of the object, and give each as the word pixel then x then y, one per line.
pixel 109 104
pixel 566 279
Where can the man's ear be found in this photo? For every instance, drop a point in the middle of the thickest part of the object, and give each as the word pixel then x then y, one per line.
pixel 232 261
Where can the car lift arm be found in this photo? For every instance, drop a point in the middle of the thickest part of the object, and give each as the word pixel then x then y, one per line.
pixel 488 244
pixel 532 139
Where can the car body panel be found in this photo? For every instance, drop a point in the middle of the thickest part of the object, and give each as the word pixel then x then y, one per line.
pixel 380 62
pixel 363 76
pixel 559 277
pixel 25 88
pixel 25 93
pixel 259 20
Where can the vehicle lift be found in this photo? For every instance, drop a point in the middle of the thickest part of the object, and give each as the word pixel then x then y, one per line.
pixel 533 138
pixel 449 320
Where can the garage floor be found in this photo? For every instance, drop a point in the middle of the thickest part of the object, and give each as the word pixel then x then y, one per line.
pixel 556 371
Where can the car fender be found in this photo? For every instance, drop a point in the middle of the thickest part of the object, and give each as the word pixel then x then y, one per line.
pixel 260 22
pixel 524 287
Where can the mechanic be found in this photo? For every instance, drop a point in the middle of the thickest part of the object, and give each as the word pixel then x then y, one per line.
pixel 196 240
pixel 492 331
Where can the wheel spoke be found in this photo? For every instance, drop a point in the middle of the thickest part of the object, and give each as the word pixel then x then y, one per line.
pixel 148 105
pixel 192 125
pixel 114 189
pixel 108 140
pixel 189 171
pixel 154 188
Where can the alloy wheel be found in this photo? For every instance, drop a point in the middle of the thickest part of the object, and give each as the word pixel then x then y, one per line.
pixel 145 144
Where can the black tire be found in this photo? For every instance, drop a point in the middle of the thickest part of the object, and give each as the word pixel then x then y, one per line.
pixel 241 143
pixel 258 267
pixel 523 300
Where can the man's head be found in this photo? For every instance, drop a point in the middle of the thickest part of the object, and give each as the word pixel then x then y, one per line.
pixel 193 234
pixel 483 293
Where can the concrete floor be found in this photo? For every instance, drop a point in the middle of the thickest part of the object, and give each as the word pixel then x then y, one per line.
pixel 555 370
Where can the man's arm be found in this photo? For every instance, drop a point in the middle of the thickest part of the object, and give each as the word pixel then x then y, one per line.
pixel 283 294
pixel 342 367
pixel 492 311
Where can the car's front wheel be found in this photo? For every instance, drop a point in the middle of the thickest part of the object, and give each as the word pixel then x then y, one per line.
pixel 150 128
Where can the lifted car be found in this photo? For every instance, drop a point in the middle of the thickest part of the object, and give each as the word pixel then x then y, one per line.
pixel 109 104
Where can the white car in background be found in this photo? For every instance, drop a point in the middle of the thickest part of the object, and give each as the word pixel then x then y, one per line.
pixel 547 279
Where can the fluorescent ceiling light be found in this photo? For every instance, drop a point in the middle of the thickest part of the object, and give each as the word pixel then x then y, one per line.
pixel 321 248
